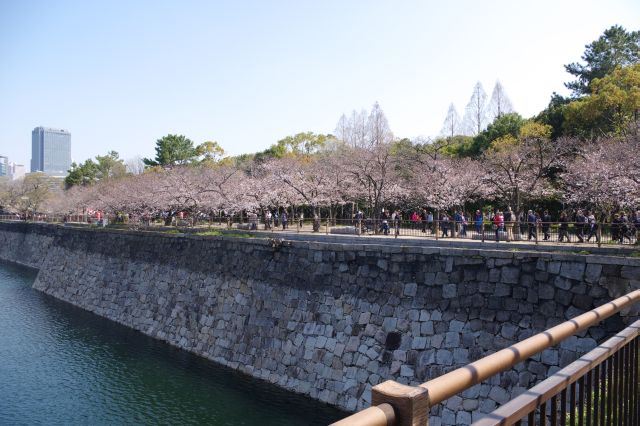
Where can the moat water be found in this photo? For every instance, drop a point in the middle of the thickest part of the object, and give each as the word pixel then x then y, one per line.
pixel 61 365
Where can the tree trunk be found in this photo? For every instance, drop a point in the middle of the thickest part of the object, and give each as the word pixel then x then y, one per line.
pixel 316 219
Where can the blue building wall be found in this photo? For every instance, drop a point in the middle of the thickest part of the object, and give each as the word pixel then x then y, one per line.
pixel 50 151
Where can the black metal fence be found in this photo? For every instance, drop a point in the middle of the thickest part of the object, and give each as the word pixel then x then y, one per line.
pixel 540 232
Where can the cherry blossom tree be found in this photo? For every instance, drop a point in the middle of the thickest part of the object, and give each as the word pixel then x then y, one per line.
pixel 341 188
pixel 263 189
pixel 365 164
pixel 604 176
pixel 308 181
pixel 519 168
pixel 220 186
pixel 28 195
pixel 443 182
pixel 135 196
pixel 73 202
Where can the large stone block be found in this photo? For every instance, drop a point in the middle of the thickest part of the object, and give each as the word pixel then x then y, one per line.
pixel 410 289
pixel 554 267
pixel 502 290
pixel 510 275
pixel 592 272
pixel 573 270
pixel 451 340
pixel 630 272
pixel 449 291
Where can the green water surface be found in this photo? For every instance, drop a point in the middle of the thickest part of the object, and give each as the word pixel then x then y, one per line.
pixel 61 365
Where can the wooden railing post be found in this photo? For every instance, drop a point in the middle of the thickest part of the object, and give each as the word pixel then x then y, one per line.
pixel 410 403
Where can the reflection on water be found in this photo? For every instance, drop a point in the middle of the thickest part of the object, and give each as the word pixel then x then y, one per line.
pixel 62 365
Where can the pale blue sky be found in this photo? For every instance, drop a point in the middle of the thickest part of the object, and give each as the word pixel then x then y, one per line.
pixel 121 74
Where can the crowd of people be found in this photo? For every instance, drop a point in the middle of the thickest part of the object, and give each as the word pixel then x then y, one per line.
pixel 508 225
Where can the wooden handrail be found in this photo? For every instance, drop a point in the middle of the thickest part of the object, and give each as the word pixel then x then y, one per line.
pixel 517 408
pixel 379 415
pixel 413 405
pixel 452 383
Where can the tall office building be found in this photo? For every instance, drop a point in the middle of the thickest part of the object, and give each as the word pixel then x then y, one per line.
pixel 4 165
pixel 16 171
pixel 50 151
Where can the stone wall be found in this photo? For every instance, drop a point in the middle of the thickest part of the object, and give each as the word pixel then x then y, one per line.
pixel 331 320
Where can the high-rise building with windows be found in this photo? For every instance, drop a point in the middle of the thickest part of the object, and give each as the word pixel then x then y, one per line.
pixel 4 165
pixel 16 171
pixel 50 151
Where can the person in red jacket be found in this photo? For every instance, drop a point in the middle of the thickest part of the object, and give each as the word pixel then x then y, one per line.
pixel 415 220
pixel 498 224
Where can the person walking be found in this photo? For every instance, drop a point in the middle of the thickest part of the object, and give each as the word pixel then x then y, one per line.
pixel 457 222
pixel 284 220
pixel 444 224
pixel 625 229
pixel 522 220
pixel 563 231
pixel 414 219
pixel 478 221
pixel 424 218
pixel 498 224
pixel 592 226
pixel 615 227
pixel 267 220
pixel 531 223
pixel 508 222
pixel 359 224
pixel 384 224
pixel 464 223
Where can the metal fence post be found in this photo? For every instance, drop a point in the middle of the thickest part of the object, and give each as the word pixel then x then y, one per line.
pixel 599 235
